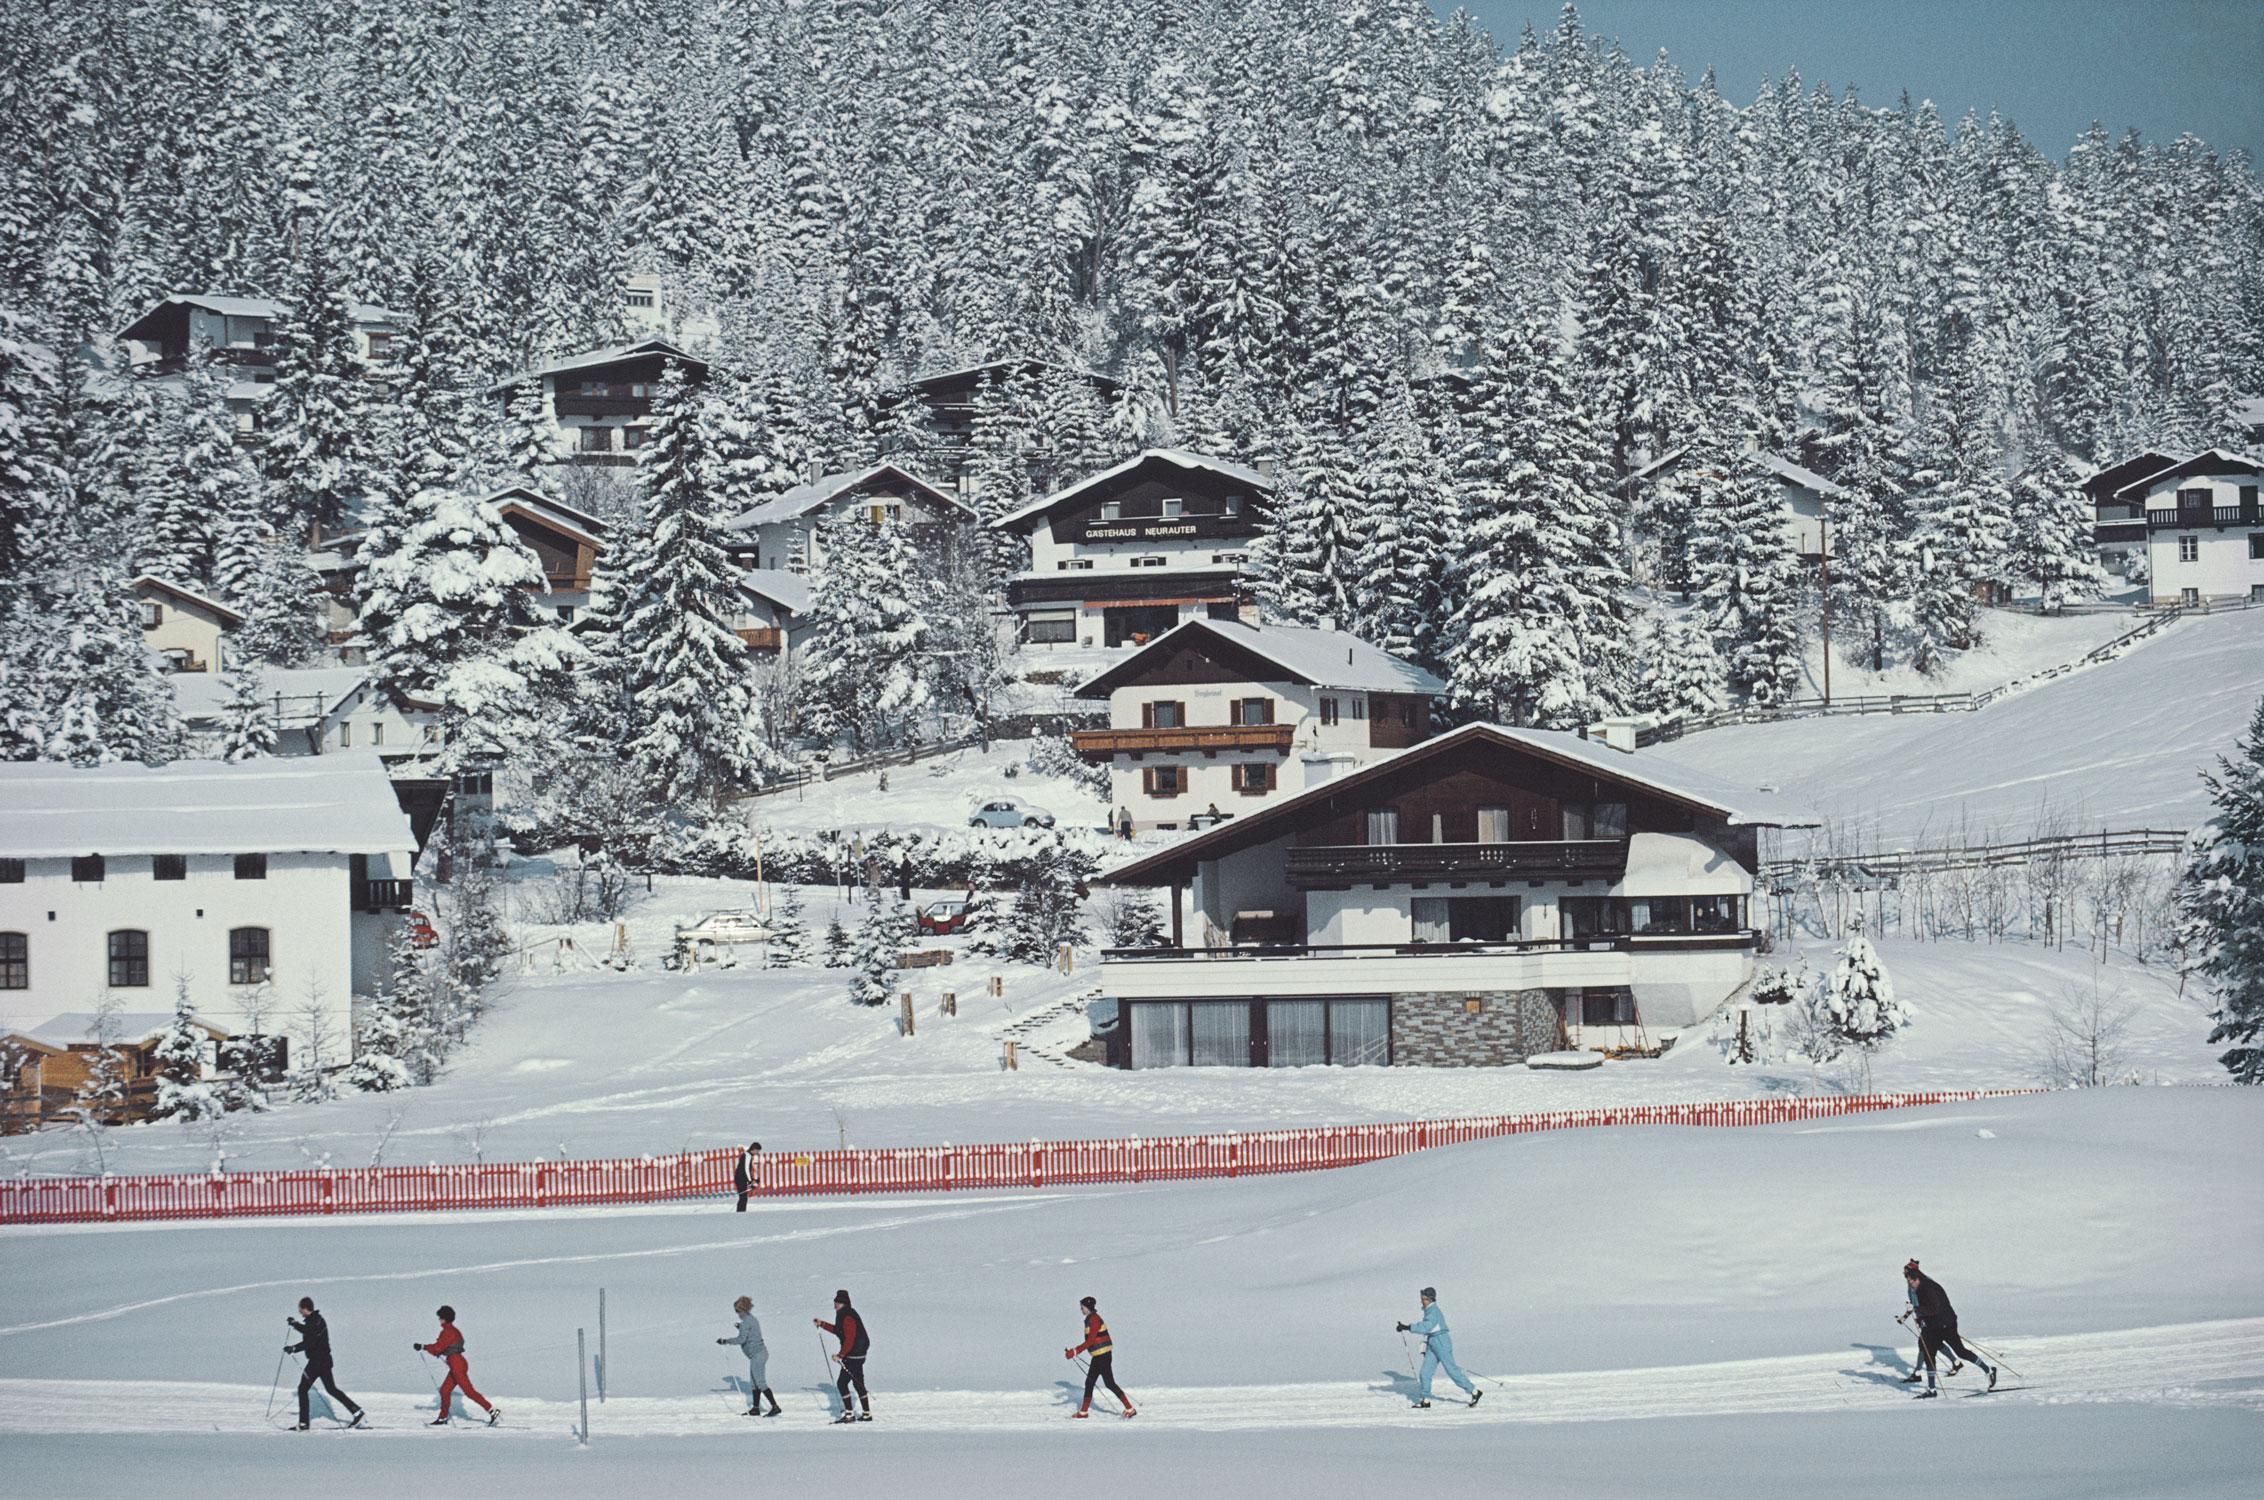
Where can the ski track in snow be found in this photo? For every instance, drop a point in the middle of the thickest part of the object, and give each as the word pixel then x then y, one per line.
pixel 2218 1364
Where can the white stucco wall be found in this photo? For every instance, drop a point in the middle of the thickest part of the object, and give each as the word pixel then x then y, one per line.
pixel 2227 565
pixel 315 941
pixel 184 627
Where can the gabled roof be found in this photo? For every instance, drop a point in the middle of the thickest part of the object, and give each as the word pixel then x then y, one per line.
pixel 1782 468
pixel 1705 794
pixel 1322 658
pixel 332 804
pixel 2102 485
pixel 201 601
pixel 307 694
pixel 591 528
pixel 789 591
pixel 133 1027
pixel 2213 461
pixel 804 498
pixel 593 358
pixel 1175 457
pixel 924 383
pixel 251 307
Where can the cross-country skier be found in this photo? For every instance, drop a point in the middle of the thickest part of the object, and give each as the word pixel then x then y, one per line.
pixel 749 1338
pixel 314 1342
pixel 1438 1351
pixel 849 1327
pixel 1937 1328
pixel 743 1175
pixel 450 1346
pixel 1102 1369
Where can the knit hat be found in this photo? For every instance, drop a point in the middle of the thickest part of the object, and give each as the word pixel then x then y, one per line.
pixel 447 1313
pixel 1910 1266
pixel 1430 1294
pixel 1086 1303
pixel 841 1298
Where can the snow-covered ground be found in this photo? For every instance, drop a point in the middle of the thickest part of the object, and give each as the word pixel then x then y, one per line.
pixel 2116 745
pixel 937 793
pixel 2013 645
pixel 1651 1311
pixel 592 1063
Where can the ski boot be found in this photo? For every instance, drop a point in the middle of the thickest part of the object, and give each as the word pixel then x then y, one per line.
pixel 1912 1378
pixel 1992 1377
pixel 360 1418
pixel 439 1421
pixel 866 1415
pixel 752 1411
pixel 845 1419
pixel 1131 1411
pixel 1422 1406
pixel 301 1427
pixel 1927 1394
pixel 494 1415
pixel 1081 1413
pixel 1476 1397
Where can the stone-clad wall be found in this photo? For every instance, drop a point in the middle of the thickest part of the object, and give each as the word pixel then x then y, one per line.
pixel 1435 1029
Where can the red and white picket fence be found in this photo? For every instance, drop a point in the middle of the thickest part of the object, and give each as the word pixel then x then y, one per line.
pixel 910 1169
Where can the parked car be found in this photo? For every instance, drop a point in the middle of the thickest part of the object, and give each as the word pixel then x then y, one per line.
pixel 1005 812
pixel 943 918
pixel 421 933
pixel 737 925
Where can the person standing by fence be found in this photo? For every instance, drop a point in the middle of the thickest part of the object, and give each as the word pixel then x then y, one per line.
pixel 849 1327
pixel 743 1175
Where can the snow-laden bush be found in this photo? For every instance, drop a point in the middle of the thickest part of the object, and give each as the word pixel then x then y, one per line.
pixel 1053 755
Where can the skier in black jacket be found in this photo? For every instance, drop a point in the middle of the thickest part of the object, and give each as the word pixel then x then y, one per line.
pixel 1937 1328
pixel 849 1327
pixel 743 1175
pixel 314 1342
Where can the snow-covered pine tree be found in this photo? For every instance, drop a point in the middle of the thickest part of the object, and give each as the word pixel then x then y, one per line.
pixel 873 973
pixel 1399 588
pixel 1963 508
pixel 674 602
pixel 101 1094
pixel 862 669
pixel 1745 579
pixel 1857 1000
pixel 27 478
pixel 183 1092
pixel 2221 903
pixel 247 719
pixel 107 700
pixel 530 441
pixel 789 946
pixel 316 429
pixel 194 482
pixel 1682 672
pixel 392 1030
pixel 1308 562
pixel 1048 909
pixel 838 947
pixel 2053 544
pixel 1134 919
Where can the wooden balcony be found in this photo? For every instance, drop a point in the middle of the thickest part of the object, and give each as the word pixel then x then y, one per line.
pixel 2215 515
pixel 575 404
pixel 1343 864
pixel 1101 744
pixel 382 895
pixel 763 637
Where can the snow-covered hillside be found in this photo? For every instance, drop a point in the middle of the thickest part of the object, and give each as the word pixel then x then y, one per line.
pixel 1739 1285
pixel 936 793
pixel 2117 745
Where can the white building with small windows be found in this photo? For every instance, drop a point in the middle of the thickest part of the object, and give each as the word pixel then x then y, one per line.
pixel 268 888
pixel 787 534
pixel 2204 527
pixel 1122 557
pixel 189 630
pixel 1215 718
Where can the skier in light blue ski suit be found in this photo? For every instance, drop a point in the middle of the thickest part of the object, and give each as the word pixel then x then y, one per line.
pixel 1438 1350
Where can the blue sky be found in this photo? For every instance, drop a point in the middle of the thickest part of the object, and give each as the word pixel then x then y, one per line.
pixel 2165 66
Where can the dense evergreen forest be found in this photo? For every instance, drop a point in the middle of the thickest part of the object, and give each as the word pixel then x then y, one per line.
pixel 1457 288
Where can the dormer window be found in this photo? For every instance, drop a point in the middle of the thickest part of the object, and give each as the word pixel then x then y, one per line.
pixel 1112 510
pixel 1173 508
pixel 1232 506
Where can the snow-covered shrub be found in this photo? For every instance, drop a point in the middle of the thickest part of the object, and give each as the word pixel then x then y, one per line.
pixel 1048 903
pixel 1053 755
pixel 889 929
pixel 1746 1034
pixel 789 945
pixel 183 1092
pixel 1855 1005
pixel 837 945
pixel 2221 901
pixel 1132 919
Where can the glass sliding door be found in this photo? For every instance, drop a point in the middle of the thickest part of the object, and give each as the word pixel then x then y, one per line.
pixel 1296 1033
pixel 1359 1032
pixel 1159 1035
pixel 1220 1032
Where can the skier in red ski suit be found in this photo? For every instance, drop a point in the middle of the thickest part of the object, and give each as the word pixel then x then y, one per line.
pixel 450 1346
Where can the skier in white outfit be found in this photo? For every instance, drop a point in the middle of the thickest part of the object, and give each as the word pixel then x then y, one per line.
pixel 750 1340
pixel 1438 1350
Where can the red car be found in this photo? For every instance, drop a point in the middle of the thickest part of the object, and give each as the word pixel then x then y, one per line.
pixel 943 918
pixel 421 934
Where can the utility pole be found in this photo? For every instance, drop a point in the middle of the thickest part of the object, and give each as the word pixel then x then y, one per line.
pixel 1824 546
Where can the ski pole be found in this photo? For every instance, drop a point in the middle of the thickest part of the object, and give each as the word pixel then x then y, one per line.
pixel 825 1363
pixel 1086 1369
pixel 424 1363
pixel 277 1385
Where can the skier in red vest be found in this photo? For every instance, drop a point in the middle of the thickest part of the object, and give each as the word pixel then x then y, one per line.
pixel 1102 1370
pixel 856 1343
pixel 450 1346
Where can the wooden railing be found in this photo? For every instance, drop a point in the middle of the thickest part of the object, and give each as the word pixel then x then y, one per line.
pixel 383 895
pixel 2215 515
pixel 1886 863
pixel 1616 942
pixel 1099 744
pixel 1333 862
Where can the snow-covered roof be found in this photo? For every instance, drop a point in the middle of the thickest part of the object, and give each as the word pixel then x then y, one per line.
pixel 789 591
pixel 946 377
pixel 252 391
pixel 307 693
pixel 133 1027
pixel 580 520
pixel 201 601
pixel 2212 461
pixel 1736 805
pixel 333 804
pixel 1179 457
pixel 593 358
pixel 1323 658
pixel 804 498
pixel 229 306
pixel 1792 473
